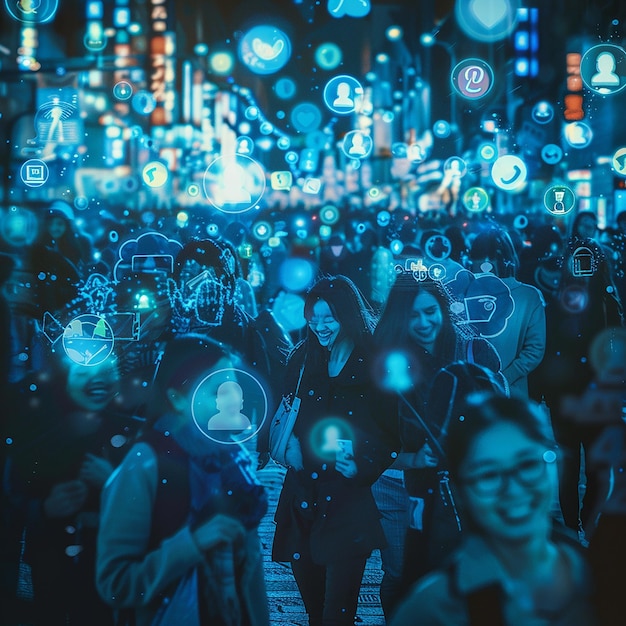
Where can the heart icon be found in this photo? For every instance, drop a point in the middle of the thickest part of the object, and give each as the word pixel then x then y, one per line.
pixel 489 12
pixel 305 118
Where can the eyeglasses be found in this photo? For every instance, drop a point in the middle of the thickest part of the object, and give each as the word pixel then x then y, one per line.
pixel 526 473
pixel 327 321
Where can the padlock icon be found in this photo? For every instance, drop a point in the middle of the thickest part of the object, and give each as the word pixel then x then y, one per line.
pixel 583 264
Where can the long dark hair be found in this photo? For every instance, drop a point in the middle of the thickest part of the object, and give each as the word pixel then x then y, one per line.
pixel 349 308
pixel 496 245
pixel 392 331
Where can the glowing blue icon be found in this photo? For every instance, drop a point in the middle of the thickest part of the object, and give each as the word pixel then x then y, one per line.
pixel 603 69
pixel 154 174
pixel 88 340
pixel 306 117
pixel 487 152
pixel 34 173
pixel 285 88
pixel 509 172
pixel 328 56
pixel 265 49
pixel 455 167
pixel 143 102
pixel 551 153
pixel 343 94
pixel 487 20
pixel 32 11
pixel 441 129
pixel 245 145
pixel 234 184
pixel 357 145
pixel 578 134
pixel 543 112
pixel 122 90
pixel 351 8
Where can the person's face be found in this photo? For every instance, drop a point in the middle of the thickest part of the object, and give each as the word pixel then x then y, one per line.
pixel 324 324
pixel 93 387
pixel 426 320
pixel 587 227
pixel 57 227
pixel 507 483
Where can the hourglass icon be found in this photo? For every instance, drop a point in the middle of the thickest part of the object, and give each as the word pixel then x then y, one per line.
pixel 559 206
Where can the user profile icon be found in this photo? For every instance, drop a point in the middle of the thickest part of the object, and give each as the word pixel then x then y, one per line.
pixel 603 69
pixel 343 94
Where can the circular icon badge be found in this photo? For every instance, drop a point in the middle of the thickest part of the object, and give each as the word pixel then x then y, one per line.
pixel 265 49
pixel 578 134
pixel 551 153
pixel 154 174
pixel 438 247
pixel 122 90
pixel 509 172
pixel 328 56
pixel 472 78
pixel 34 173
pixel 343 94
pixel 415 152
pixel 285 88
pixel 543 112
pixel 441 129
pixel 574 298
pixel 455 167
pixel 143 102
pixel 603 69
pixel 619 162
pixel 487 20
pixel 476 199
pixel 32 11
pixel 234 184
pixel 559 199
pixel 306 117
pixel 357 145
pixel 229 406
pixel 437 271
pixel 88 340
pixel 487 152
pixel 245 145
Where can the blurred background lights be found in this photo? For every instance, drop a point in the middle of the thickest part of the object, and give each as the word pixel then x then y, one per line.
pixel 222 62
pixel 394 33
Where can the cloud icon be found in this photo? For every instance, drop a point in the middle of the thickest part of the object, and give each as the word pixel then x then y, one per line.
pixel 151 252
pixel 482 301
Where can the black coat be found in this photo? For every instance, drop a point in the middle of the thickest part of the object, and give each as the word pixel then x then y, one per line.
pixel 319 509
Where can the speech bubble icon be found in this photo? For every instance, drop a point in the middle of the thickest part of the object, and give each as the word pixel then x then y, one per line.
pixel 281 180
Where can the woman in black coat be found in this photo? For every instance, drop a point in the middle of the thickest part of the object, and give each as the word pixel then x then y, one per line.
pixel 327 521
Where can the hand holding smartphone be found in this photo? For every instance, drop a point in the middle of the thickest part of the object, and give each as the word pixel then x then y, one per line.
pixel 345 458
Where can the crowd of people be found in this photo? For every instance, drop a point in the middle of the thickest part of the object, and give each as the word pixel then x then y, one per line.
pixel 460 384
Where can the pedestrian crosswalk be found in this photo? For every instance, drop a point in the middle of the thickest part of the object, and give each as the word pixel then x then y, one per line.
pixel 285 604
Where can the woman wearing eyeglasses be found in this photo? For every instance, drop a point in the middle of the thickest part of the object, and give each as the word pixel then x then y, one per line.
pixel 515 568
pixel 327 521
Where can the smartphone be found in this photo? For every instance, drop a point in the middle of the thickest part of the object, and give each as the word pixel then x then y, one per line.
pixel 345 449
